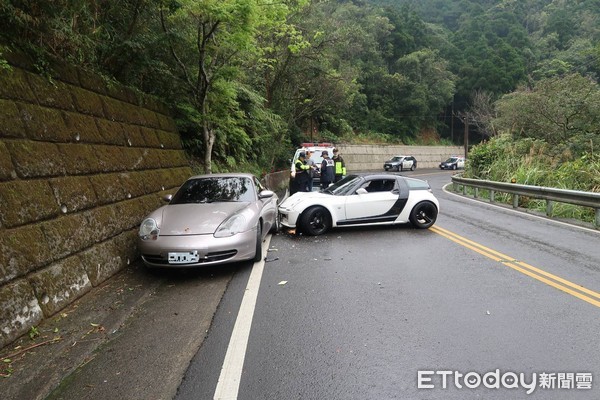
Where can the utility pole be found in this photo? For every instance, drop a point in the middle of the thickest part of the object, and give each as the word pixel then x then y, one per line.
pixel 466 135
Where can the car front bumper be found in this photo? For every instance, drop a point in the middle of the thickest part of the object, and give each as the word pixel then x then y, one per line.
pixel 209 249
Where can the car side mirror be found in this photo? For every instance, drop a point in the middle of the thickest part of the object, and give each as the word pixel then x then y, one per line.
pixel 266 194
pixel 167 198
pixel 361 191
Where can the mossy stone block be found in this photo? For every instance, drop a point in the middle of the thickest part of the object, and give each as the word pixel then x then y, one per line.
pixel 148 159
pixel 153 181
pixel 53 94
pixel 22 250
pixel 112 132
pixel 108 188
pixel 14 85
pixel 169 140
pixel 60 284
pixel 150 137
pixel 74 193
pixel 110 158
pixel 134 136
pixel 131 212
pixel 167 123
pixel 102 261
pixel 19 311
pixel 126 244
pixel 87 102
pixel 132 184
pixel 150 118
pixel 116 110
pixel 173 158
pixel 11 124
pixel 67 235
pixel 82 128
pixel 91 81
pixel 7 169
pixel 44 123
pixel 36 159
pixel 23 202
pixel 79 159
pixel 119 92
pixel 103 222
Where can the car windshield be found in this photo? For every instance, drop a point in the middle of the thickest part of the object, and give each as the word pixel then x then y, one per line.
pixel 451 160
pixel 397 158
pixel 342 187
pixel 217 189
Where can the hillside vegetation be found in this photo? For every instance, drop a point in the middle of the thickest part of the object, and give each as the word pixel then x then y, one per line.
pixel 248 80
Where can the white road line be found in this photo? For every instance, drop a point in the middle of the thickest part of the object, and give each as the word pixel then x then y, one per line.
pixel 231 371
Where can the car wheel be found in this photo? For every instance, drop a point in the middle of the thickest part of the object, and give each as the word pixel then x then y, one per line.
pixel 412 167
pixel 399 168
pixel 258 254
pixel 454 166
pixel 423 215
pixel 315 221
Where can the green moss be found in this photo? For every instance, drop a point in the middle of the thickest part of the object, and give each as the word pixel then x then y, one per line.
pixel 112 132
pixel 87 102
pixel 36 159
pixel 67 235
pixel 150 137
pixel 50 93
pixel 7 170
pixel 44 123
pixel 22 250
pixel 108 188
pixel 11 125
pixel 75 192
pixel 23 202
pixel 13 85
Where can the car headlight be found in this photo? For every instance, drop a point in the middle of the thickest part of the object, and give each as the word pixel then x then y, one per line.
pixel 231 226
pixel 148 229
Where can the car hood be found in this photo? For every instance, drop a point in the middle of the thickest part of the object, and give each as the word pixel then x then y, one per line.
pixel 196 219
pixel 301 197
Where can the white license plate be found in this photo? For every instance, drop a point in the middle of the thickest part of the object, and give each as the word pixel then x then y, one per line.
pixel 183 257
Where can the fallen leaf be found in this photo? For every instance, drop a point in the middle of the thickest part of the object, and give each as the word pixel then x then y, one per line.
pixel 282 283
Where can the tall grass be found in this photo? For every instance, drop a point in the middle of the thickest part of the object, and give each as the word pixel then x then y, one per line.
pixel 533 162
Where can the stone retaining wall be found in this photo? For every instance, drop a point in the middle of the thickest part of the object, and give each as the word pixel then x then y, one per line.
pixel 372 157
pixel 81 163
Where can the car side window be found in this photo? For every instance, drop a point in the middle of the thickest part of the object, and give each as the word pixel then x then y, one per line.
pixel 379 185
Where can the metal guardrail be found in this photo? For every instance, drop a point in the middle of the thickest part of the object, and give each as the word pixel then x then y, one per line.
pixel 550 195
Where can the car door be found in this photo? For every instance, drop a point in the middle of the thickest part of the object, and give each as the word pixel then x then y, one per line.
pixel 373 202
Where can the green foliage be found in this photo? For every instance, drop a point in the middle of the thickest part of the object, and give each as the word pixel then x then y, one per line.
pixel 243 75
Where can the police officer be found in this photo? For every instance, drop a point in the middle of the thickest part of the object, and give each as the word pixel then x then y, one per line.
pixel 327 172
pixel 340 166
pixel 301 179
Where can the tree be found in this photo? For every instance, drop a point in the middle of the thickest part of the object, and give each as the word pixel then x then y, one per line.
pixel 556 110
pixel 208 40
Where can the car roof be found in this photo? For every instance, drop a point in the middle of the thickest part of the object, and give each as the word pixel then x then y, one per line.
pixel 224 175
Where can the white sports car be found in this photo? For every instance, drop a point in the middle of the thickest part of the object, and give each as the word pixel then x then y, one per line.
pixel 359 200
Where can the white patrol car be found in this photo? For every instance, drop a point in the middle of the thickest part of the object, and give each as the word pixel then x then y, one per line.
pixel 454 162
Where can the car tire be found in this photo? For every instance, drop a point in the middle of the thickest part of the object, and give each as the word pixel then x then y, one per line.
pixel 412 167
pixel 423 215
pixel 454 167
pixel 315 221
pixel 399 168
pixel 258 253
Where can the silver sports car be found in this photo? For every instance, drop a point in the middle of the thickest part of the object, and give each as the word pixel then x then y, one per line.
pixel 212 219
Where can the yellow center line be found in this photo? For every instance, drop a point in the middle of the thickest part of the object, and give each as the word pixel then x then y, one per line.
pixel 557 282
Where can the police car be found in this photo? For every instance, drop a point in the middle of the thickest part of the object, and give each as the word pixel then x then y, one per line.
pixel 316 149
pixel 453 162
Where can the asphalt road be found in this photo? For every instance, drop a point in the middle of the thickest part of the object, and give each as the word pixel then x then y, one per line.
pixel 485 295
pixel 362 311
